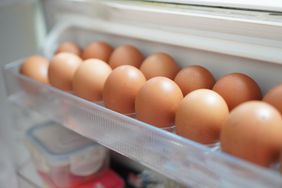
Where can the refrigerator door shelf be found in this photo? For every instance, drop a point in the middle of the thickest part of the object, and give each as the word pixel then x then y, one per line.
pixel 244 33
pixel 178 158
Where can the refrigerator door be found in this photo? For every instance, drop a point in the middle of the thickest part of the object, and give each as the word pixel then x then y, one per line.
pixel 223 40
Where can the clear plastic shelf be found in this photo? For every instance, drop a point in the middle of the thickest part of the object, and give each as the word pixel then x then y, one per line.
pixel 163 151
pixel 178 158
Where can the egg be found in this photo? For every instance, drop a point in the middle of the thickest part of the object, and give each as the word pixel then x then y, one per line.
pixel 159 64
pixel 89 79
pixel 274 97
pixel 157 101
pixel 200 116
pixel 194 77
pixel 253 131
pixel 237 88
pixel 62 69
pixel 98 50
pixel 122 87
pixel 36 67
pixel 68 47
pixel 126 55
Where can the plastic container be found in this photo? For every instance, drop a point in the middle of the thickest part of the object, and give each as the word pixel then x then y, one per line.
pixel 64 156
pixel 180 159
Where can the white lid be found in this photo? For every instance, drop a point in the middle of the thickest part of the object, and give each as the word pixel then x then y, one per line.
pixel 60 145
pixel 57 140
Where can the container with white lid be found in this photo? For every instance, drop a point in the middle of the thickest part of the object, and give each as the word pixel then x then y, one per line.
pixel 66 157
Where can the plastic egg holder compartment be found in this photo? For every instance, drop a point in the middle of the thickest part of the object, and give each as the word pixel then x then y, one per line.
pixel 33 98
pixel 133 115
pixel 179 158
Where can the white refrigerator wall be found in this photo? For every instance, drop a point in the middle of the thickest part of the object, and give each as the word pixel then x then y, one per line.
pixel 21 33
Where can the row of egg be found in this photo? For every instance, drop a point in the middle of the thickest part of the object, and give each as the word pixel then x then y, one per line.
pixel 154 88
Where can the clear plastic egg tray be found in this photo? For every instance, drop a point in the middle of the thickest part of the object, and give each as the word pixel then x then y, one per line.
pixel 183 160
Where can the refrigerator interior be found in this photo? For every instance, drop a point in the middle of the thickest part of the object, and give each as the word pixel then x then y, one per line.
pixel 223 45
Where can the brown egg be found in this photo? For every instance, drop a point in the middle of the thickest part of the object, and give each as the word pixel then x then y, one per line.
pixel 68 47
pixel 36 67
pixel 98 50
pixel 237 88
pixel 159 64
pixel 157 101
pixel 122 87
pixel 126 55
pixel 89 79
pixel 194 77
pixel 61 70
pixel 200 116
pixel 253 131
pixel 274 97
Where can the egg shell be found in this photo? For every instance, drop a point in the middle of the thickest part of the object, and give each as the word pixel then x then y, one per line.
pixel 122 87
pixel 200 116
pixel 253 131
pixel 274 97
pixel 62 69
pixel 237 88
pixel 89 79
pixel 157 101
pixel 69 47
pixel 159 64
pixel 194 77
pixel 36 67
pixel 126 55
pixel 98 50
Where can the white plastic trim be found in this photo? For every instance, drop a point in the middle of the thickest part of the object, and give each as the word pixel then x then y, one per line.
pixel 256 37
pixel 223 46
pixel 272 5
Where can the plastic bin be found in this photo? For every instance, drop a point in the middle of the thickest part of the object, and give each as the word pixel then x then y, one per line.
pixel 64 156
